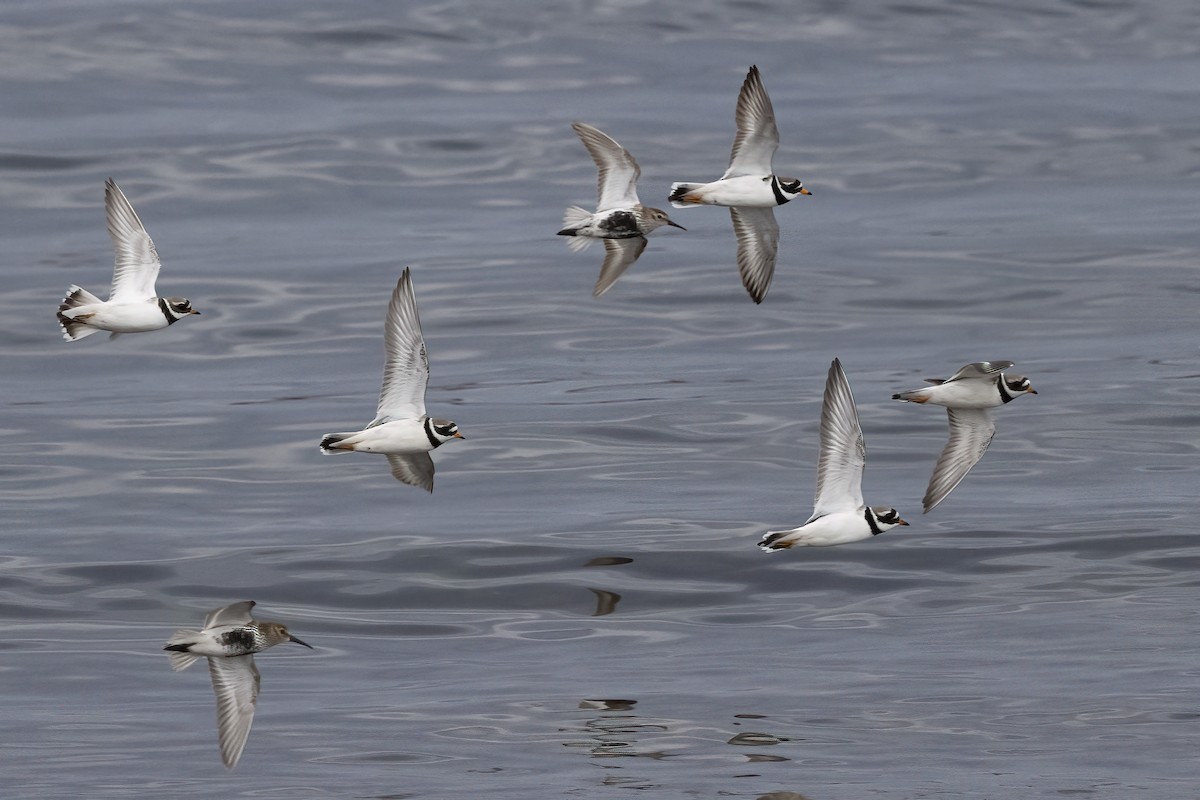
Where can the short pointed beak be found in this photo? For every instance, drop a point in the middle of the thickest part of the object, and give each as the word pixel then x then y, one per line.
pixel 194 311
pixel 458 435
pixel 676 225
pixel 804 191
pixel 297 641
pixel 901 522
pixel 1031 390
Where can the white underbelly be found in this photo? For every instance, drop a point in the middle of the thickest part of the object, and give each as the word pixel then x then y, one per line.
pixel 393 438
pixel 966 394
pixel 746 191
pixel 124 318
pixel 832 529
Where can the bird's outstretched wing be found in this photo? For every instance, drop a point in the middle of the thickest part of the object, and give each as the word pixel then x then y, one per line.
pixel 415 469
pixel 971 431
pixel 980 369
pixel 235 681
pixel 619 255
pixel 757 137
pixel 757 235
pixel 233 614
pixel 619 171
pixel 406 368
pixel 843 453
pixel 136 264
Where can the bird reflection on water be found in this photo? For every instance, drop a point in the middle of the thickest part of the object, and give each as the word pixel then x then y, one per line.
pixel 616 734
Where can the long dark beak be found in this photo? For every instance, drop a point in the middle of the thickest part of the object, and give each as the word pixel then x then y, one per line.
pixel 297 641
pixel 676 225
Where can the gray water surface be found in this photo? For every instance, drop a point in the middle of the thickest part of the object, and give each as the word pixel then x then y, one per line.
pixel 579 609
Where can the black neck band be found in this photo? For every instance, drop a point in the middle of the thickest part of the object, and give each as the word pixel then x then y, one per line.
pixel 433 440
pixel 1004 395
pixel 780 197
pixel 166 309
pixel 875 529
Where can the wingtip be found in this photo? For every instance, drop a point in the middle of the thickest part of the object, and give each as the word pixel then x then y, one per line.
pixel 231 761
pixel 757 293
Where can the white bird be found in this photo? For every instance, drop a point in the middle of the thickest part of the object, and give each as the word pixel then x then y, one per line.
pixel 620 220
pixel 401 429
pixel 839 514
pixel 749 187
pixel 967 396
pixel 132 305
pixel 229 640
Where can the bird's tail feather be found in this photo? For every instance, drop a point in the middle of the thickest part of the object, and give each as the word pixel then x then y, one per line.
pixel 177 648
pixel 76 296
pixel 679 191
pixel 330 439
pixel 574 218
pixel 771 542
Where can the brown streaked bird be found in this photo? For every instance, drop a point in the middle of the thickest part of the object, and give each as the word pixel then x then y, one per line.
pixel 229 639
pixel 620 220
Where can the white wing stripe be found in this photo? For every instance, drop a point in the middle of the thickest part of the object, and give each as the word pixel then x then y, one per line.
pixel 235 682
pixel 843 452
pixel 971 431
pixel 619 171
pixel 406 368
pixel 136 265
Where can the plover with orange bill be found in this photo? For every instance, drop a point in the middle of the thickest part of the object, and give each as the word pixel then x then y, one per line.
pixel 132 305
pixel 839 514
pixel 401 429
pixel 967 395
pixel 749 187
